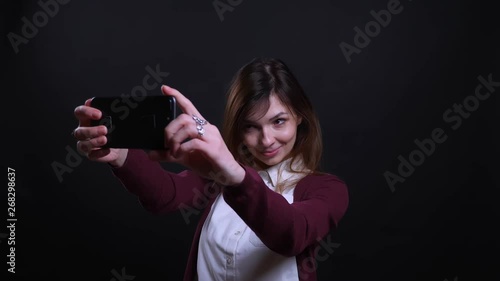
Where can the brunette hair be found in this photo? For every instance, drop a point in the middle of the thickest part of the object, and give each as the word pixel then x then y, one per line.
pixel 250 89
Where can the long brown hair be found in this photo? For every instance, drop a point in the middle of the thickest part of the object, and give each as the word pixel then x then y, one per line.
pixel 250 89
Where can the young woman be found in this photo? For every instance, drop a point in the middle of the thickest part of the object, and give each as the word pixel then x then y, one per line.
pixel 264 204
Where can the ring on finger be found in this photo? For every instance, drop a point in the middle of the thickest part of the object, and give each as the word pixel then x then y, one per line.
pixel 199 125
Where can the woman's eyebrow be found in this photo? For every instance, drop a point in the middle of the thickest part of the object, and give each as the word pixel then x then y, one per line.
pixel 278 115
pixel 270 119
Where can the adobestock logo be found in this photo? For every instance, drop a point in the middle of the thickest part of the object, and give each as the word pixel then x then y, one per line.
pixel 372 29
pixel 454 116
pixel 29 30
pixel 322 252
pixel 225 6
pixel 121 276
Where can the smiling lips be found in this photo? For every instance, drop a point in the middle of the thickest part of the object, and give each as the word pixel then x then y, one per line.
pixel 270 153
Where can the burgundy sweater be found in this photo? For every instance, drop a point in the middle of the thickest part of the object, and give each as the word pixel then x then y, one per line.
pixel 320 201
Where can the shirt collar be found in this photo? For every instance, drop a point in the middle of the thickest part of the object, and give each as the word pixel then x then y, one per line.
pixel 272 172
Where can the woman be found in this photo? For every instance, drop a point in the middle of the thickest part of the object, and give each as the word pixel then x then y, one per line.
pixel 264 204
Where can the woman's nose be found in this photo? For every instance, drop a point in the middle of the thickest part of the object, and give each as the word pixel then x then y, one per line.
pixel 266 138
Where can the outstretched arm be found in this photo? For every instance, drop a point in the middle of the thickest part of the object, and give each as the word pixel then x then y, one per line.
pixel 289 228
pixel 158 190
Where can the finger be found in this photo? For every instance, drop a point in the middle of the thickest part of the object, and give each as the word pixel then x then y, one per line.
pixel 178 138
pixel 85 133
pixel 98 153
pixel 183 123
pixel 86 113
pixel 80 147
pixel 180 121
pixel 184 103
pixel 193 144
pixel 88 146
pixel 88 102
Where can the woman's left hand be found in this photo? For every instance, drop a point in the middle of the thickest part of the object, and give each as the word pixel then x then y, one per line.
pixel 206 155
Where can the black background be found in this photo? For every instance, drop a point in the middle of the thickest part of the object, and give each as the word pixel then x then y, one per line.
pixel 439 224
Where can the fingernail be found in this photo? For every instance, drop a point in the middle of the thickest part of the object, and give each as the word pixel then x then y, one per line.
pixel 103 130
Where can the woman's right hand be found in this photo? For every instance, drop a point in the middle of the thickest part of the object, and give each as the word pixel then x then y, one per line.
pixel 90 139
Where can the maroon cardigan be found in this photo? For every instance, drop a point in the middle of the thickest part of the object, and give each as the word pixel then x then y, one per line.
pixel 320 201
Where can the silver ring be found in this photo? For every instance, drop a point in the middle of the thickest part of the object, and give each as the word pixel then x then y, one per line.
pixel 199 125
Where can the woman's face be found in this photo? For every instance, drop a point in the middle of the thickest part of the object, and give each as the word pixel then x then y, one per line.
pixel 271 138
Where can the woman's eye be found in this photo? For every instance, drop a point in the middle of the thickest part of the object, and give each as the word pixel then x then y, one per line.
pixel 279 121
pixel 247 127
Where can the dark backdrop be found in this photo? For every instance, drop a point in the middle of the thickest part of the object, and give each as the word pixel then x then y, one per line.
pixel 439 224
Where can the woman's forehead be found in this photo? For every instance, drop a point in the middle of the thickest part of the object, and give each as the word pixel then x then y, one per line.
pixel 276 107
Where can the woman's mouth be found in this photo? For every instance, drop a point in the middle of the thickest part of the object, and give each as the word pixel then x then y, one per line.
pixel 271 153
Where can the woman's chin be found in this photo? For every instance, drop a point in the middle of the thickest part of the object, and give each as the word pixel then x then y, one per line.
pixel 270 161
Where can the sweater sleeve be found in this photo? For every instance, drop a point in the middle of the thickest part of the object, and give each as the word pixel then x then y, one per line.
pixel 158 190
pixel 289 229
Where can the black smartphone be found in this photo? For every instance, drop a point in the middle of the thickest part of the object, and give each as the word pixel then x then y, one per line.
pixel 135 123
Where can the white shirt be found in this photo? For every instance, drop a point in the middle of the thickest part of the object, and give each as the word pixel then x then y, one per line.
pixel 230 251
